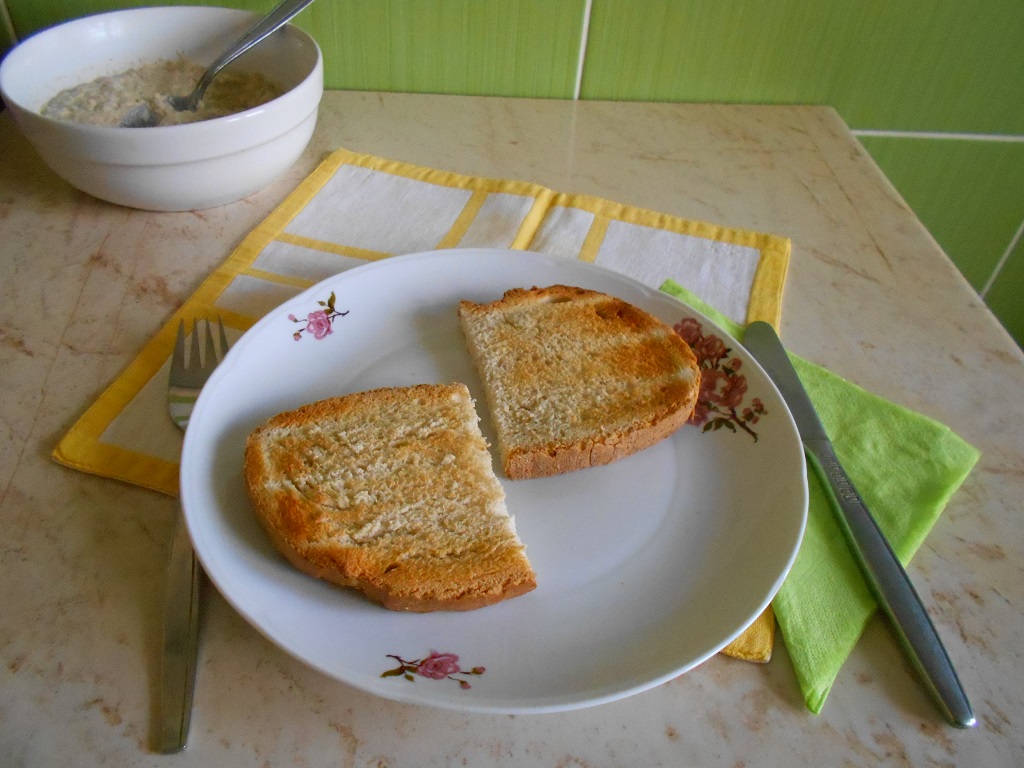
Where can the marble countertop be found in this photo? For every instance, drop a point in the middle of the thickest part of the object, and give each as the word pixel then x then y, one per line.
pixel 84 284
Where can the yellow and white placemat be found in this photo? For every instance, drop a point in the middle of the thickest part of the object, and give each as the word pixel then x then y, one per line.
pixel 357 208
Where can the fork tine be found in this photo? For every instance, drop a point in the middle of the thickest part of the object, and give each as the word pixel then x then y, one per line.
pixel 178 357
pixel 223 337
pixel 194 360
pixel 211 351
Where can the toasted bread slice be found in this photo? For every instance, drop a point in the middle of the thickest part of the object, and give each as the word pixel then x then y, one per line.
pixel 391 492
pixel 576 378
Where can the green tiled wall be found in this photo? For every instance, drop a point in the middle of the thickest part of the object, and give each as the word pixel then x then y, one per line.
pixel 933 65
pixel 510 48
pixel 969 194
pixel 1005 295
pixel 942 79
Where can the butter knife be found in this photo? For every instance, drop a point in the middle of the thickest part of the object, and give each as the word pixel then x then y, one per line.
pixel 181 627
pixel 881 568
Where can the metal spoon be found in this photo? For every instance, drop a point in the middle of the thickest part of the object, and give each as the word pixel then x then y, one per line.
pixel 144 117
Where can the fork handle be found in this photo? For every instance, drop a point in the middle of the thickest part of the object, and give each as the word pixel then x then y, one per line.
pixel 181 631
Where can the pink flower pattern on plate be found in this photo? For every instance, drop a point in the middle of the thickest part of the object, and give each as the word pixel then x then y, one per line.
pixel 722 386
pixel 320 322
pixel 436 666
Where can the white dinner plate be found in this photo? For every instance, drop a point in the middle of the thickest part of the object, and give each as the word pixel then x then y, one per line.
pixel 645 567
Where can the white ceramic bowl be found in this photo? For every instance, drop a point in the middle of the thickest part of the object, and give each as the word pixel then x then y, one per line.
pixel 167 168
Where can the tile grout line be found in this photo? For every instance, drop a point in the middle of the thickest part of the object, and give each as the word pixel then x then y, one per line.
pixel 7 22
pixel 584 34
pixel 939 135
pixel 1002 261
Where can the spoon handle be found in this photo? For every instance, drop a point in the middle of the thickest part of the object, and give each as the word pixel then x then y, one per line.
pixel 266 26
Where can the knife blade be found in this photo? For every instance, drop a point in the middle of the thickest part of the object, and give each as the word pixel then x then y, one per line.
pixel 180 637
pixel 878 562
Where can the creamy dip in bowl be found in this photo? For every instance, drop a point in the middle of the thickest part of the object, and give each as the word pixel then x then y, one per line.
pixel 107 99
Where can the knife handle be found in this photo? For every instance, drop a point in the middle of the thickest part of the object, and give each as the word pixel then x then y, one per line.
pixel 892 588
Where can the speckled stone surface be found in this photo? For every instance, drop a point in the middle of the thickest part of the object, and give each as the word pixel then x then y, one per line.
pixel 84 284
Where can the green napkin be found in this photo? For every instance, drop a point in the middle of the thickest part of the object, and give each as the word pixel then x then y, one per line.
pixel 905 466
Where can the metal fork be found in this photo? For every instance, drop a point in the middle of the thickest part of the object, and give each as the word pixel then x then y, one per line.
pixel 181 604
pixel 186 380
